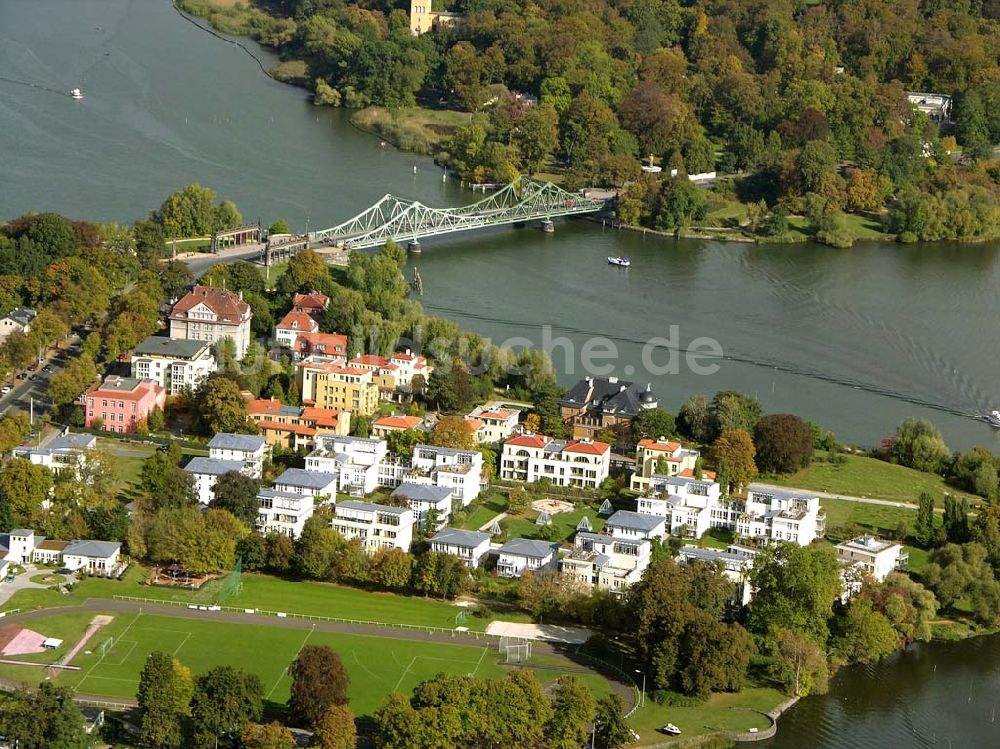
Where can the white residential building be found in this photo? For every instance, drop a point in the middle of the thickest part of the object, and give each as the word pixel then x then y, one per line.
pixel 283 512
pixel 301 481
pixel 691 506
pixel 627 524
pixel 354 461
pixel 781 515
pixel 292 325
pixel 206 472
pixel 20 543
pixel 423 498
pixel 18 320
pixel 876 556
pixel 93 557
pixel 67 452
pixel 497 423
pixel 520 555
pixel 377 526
pixel 469 546
pixel 664 457
pixel 248 448
pixel 736 562
pixel 605 562
pixel 176 364
pixel 461 471
pixel 530 457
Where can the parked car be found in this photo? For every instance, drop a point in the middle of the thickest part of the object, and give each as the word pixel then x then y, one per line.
pixel 5 389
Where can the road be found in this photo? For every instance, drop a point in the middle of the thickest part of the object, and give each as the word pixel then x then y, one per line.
pixel 103 605
pixel 849 498
pixel 36 385
pixel 200 262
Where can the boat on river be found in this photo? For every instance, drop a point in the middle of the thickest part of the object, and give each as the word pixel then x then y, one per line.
pixel 621 261
pixel 994 418
pixel 76 93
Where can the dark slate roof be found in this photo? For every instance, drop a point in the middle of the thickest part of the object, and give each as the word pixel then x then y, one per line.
pixel 635 521
pixel 353 504
pixel 526 547
pixel 304 478
pixel 213 466
pixel 177 348
pixel 457 537
pixel 422 492
pixel 247 442
pixel 609 395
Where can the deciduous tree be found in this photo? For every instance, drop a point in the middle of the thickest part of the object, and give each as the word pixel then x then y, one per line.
pixel 784 443
pixel 319 682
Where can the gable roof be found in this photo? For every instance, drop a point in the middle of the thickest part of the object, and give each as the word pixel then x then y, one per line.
pixel 96 549
pixel 298 321
pixel 422 492
pixel 314 300
pixel 305 479
pixel 587 447
pixel 227 305
pixel 397 422
pixel 529 440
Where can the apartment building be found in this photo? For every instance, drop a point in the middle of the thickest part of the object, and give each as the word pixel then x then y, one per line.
pixel 175 364
pixel 605 562
pixel 595 404
pixel 736 562
pixel 65 453
pixel 283 512
pixel 628 524
pixel 520 555
pixel 664 457
pixel 296 427
pixel 291 326
pixel 353 461
pixel 469 546
pixel 249 449
pixel 423 499
pixel 376 526
pixel 206 471
pixel 460 471
pixel 496 422
pixel 690 506
pixel 329 383
pixel 875 556
pixel 300 481
pixel 530 457
pixel 120 404
pixel 778 514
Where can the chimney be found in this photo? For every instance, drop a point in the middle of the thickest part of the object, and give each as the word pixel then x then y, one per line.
pixel 241 295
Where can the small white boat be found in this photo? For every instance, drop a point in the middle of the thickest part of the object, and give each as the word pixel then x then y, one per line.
pixel 671 730
pixel 994 418
pixel 76 93
pixel 621 262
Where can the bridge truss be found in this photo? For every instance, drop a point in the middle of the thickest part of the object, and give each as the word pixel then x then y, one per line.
pixel 410 220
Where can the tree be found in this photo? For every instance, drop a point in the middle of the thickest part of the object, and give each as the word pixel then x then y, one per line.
pixel 440 575
pixel 863 634
pixel 956 519
pixel 963 572
pixel 24 486
pixel 237 493
pixel 653 423
pixel 907 604
pixel 336 729
pixel 45 719
pixel 280 551
pixel 795 590
pixel 454 432
pixel 200 541
pixel 268 736
pixel 924 529
pixel 402 441
pixel 680 204
pixel 252 552
pixel 799 664
pixel 918 444
pixel 165 689
pixel 391 568
pixel 735 448
pixel 784 443
pixel 611 728
pixel 695 419
pixel 537 135
pixel 572 711
pixel 319 682
pixel 278 227
pixel 225 699
pixel 221 407
pixel 713 655
pixel 732 410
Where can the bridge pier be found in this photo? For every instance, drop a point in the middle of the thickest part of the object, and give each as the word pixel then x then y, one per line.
pixel 547 226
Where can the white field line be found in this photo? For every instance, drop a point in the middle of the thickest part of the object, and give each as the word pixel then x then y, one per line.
pixel 101 659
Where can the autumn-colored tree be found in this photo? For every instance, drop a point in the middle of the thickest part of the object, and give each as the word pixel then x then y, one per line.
pixel 736 450
pixel 454 432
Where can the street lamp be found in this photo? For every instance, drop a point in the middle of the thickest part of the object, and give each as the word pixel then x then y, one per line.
pixel 642 694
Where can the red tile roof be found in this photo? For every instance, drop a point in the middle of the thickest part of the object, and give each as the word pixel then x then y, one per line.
pixel 689 474
pixel 587 448
pixel 397 422
pixel 311 301
pixel 293 428
pixel 668 447
pixel 263 405
pixel 323 417
pixel 529 440
pixel 227 305
pixel 298 321
pixel 108 390
pixel 331 343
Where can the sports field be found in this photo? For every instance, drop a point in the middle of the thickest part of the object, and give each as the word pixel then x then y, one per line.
pixel 377 665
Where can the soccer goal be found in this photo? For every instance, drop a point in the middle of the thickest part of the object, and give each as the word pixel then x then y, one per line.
pixel 517 652
pixel 105 646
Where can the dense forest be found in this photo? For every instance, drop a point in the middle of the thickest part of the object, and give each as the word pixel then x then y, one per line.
pixel 805 102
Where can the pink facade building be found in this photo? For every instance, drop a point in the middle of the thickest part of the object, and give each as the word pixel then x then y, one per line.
pixel 120 403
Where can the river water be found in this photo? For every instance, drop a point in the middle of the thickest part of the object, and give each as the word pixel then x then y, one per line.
pixel 856 340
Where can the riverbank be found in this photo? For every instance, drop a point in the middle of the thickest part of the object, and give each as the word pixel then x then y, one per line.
pixel 415 129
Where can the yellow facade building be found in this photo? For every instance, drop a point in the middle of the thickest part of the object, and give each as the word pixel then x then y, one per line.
pixel 332 384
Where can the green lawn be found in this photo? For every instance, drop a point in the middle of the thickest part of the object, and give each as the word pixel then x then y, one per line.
pixel 482 510
pixel 270 594
pixel 411 128
pixel 277 271
pixel 722 711
pixel 860 476
pixel 376 665
pixel 564 523
pixel 129 457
